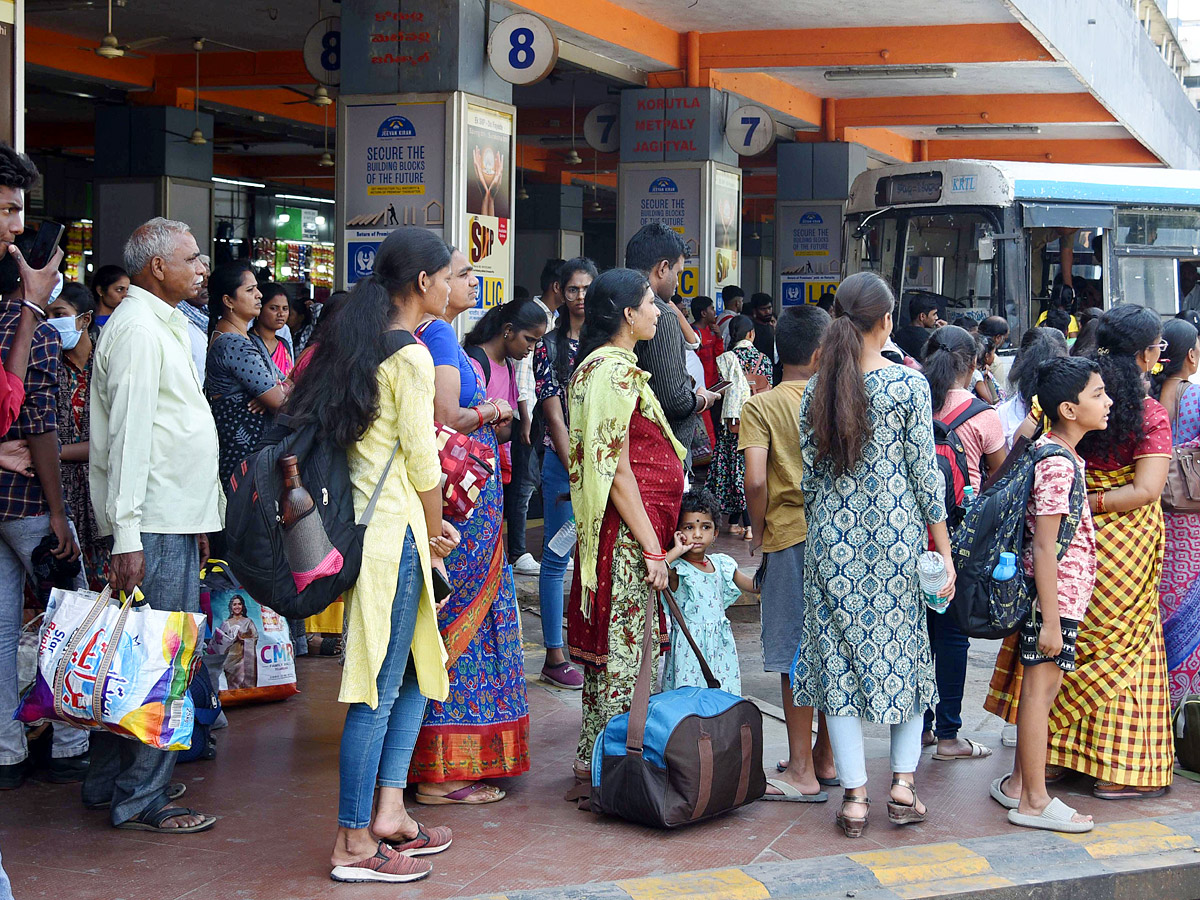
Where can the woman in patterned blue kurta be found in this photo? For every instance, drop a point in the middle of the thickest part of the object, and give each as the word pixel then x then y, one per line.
pixel 871 489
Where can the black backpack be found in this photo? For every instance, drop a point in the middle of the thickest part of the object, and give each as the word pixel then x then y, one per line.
pixel 995 523
pixel 254 527
pixel 480 356
pixel 952 458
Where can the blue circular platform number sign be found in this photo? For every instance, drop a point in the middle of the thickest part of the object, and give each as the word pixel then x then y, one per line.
pixel 750 130
pixel 523 49
pixel 323 51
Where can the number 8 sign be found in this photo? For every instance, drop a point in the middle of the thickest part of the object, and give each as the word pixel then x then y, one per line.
pixel 523 49
pixel 750 130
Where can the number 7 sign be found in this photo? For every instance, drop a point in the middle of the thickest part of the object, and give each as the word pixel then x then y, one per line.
pixel 750 130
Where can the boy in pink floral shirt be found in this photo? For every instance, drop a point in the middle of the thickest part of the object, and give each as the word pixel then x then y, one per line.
pixel 1071 392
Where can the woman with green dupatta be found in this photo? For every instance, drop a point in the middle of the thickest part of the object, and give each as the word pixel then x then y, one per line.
pixel 626 475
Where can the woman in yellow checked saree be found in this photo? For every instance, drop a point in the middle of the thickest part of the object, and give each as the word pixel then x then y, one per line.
pixel 1112 718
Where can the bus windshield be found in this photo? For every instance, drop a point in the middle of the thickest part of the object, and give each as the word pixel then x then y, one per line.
pixel 942 258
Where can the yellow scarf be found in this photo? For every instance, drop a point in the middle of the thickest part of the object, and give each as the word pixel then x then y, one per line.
pixel 601 399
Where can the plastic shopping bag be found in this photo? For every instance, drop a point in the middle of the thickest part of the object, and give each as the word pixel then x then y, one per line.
pixel 116 665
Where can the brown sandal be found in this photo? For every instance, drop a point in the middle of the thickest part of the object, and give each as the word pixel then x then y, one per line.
pixel 905 813
pixel 852 826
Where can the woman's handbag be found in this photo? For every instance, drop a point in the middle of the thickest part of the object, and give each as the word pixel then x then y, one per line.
pixel 467 464
pixel 681 756
pixel 117 665
pixel 1181 493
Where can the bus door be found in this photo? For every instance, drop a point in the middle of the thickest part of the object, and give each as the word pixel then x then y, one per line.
pixel 1065 253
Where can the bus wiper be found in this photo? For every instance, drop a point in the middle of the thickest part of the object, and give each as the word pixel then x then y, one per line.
pixel 861 231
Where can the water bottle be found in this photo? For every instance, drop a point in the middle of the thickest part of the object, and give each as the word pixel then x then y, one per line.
pixel 564 539
pixel 968 497
pixel 931 571
pixel 1006 567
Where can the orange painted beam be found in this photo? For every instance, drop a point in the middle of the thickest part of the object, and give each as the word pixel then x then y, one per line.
pixel 970 109
pixel 611 23
pixel 883 141
pixel 672 79
pixel 272 102
pixel 71 54
pixel 770 92
pixel 265 68
pixel 1108 152
pixel 879 46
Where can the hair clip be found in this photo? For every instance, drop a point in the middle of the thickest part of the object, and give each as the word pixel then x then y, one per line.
pixel 1158 367
pixel 1103 351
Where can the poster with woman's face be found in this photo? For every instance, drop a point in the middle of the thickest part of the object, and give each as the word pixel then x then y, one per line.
pixel 727 212
pixel 489 151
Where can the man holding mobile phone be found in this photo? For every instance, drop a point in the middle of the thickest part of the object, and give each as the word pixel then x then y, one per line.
pixel 31 504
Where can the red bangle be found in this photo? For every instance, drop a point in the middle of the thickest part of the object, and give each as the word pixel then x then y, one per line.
pixel 654 557
pixel 479 413
pixel 1100 502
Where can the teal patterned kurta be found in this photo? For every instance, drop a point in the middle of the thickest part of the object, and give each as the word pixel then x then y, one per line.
pixel 865 651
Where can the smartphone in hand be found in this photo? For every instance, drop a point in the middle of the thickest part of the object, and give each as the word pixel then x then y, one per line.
pixel 720 386
pixel 44 244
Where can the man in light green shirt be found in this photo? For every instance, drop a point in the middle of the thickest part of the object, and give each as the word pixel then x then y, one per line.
pixel 153 478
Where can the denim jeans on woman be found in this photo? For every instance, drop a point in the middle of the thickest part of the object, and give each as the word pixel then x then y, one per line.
pixel 377 744
pixel 949 646
pixel 556 502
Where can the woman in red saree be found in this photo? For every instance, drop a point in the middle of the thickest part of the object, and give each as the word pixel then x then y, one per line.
pixel 626 475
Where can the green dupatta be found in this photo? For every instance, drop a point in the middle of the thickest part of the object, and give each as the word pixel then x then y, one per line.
pixel 601 399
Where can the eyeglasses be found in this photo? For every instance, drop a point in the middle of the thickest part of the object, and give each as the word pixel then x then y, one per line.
pixel 576 291
pixel 1160 345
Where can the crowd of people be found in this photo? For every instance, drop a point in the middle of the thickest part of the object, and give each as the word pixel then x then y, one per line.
pixel 650 427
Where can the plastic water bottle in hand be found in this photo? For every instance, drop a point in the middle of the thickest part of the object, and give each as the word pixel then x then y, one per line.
pixel 564 539
pixel 931 570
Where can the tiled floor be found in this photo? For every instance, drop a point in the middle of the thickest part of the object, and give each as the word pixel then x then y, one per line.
pixel 274 785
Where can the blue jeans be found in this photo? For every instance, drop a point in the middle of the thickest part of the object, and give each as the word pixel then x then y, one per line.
pixel 949 646
pixel 556 513
pixel 517 494
pixel 18 539
pixel 377 744
pixel 129 774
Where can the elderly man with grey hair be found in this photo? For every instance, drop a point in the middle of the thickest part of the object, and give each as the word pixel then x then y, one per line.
pixel 154 487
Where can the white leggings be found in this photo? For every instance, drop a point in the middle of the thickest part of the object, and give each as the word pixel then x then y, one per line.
pixel 845 736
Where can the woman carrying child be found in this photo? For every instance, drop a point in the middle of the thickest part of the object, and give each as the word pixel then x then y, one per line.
pixel 748 372
pixel 704 586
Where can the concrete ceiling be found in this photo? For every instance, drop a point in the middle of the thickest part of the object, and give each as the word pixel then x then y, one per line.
pixel 750 15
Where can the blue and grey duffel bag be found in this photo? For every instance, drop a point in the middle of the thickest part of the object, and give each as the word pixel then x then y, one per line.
pixel 681 756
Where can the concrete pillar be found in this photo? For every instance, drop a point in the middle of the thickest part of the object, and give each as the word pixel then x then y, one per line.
pixel 676 168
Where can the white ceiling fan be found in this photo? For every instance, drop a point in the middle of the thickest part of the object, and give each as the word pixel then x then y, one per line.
pixel 111 48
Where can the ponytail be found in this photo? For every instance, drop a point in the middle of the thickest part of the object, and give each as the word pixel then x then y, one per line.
pixel 949 355
pixel 838 413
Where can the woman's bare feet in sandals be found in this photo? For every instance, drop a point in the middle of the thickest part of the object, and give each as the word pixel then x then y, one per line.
pixel 465 793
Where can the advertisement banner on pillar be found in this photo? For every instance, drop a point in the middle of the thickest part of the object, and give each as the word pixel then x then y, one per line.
pixel 670 196
pixel 487 157
pixel 393 169
pixel 727 218
pixel 809 252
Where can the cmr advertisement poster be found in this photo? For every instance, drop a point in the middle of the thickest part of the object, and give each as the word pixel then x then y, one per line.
pixel 487 158
pixel 393 170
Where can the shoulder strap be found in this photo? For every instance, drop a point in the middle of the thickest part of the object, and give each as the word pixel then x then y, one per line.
pixel 1070 522
pixel 635 734
pixel 968 410
pixel 365 520
pixel 396 339
pixel 480 356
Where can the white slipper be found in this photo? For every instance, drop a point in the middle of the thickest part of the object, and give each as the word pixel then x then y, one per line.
pixel 978 751
pixel 1055 817
pixel 1002 798
pixel 790 794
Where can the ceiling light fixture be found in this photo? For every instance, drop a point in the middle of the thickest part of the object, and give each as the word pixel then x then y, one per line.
pixel 306 199
pixel 196 139
pixel 888 73
pixel 989 129
pixel 326 161
pixel 251 184
pixel 572 158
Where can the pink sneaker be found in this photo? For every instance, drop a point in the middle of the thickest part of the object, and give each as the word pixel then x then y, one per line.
pixel 386 865
pixel 564 676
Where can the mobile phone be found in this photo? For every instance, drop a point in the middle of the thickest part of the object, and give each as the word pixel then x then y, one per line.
pixel 720 386
pixel 441 587
pixel 48 236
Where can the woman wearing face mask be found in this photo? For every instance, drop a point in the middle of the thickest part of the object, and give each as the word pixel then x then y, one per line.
pixel 72 314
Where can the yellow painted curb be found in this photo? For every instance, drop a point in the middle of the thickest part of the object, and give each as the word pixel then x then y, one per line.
pixel 1130 839
pixel 728 884
pixel 916 865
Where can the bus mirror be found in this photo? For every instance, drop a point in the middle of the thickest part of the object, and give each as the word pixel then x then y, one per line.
pixel 987 249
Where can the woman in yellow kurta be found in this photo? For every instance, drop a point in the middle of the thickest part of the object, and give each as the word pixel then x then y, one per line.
pixel 370 387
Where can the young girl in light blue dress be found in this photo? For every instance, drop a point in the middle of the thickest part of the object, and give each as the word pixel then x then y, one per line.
pixel 704 586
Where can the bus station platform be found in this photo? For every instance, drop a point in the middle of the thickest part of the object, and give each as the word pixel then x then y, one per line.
pixel 274 787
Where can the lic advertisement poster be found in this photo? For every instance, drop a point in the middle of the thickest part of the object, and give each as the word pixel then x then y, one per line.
pixel 487 159
pixel 809 252
pixel 727 215
pixel 394 170
pixel 670 196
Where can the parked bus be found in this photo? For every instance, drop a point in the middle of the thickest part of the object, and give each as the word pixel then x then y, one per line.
pixel 1001 237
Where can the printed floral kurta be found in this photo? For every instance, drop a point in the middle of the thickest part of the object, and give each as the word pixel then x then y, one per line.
pixel 865 650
